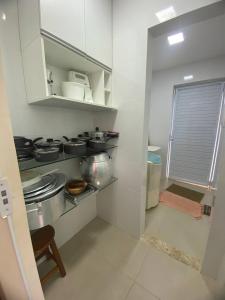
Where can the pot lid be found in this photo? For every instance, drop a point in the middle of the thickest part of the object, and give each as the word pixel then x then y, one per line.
pixel 98 140
pixel 39 185
pixel 47 150
pixel 48 193
pixel 75 143
pixel 30 177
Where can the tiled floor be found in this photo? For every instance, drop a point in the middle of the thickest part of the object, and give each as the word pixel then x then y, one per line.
pixel 104 263
pixel 179 229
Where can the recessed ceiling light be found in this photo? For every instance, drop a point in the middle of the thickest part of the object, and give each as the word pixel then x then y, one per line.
pixel 188 77
pixel 176 38
pixel 3 16
pixel 166 14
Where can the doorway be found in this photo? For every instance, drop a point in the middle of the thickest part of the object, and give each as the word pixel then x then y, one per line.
pixel 195 132
pixel 185 126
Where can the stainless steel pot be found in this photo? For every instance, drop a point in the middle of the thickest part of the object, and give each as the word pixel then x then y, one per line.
pixel 98 134
pixel 45 201
pixel 97 169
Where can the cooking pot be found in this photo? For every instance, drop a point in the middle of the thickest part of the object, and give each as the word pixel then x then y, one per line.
pixel 74 146
pixel 24 148
pixel 22 142
pixel 84 137
pixel 97 169
pixel 46 154
pixel 97 143
pixel 49 143
pixel 97 134
pixel 45 200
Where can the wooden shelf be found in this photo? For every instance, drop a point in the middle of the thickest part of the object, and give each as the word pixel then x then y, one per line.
pixel 59 101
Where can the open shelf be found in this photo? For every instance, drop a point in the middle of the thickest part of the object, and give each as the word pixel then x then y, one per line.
pixel 71 204
pixel 32 163
pixel 59 101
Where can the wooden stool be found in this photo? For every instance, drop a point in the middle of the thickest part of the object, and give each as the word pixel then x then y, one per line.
pixel 44 245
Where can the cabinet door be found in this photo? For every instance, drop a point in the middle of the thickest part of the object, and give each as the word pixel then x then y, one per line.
pixel 65 20
pixel 98 28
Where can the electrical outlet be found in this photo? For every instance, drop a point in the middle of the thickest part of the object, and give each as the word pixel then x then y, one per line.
pixel 5 198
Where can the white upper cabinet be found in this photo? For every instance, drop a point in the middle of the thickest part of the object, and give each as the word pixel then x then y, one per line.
pixel 98 30
pixel 65 20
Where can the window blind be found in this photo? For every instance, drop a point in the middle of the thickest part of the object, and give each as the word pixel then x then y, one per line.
pixel 195 132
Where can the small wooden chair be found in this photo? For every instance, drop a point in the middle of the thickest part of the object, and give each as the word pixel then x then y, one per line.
pixel 44 245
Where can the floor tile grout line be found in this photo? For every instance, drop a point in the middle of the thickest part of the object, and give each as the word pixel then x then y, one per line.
pixel 130 288
pixel 144 288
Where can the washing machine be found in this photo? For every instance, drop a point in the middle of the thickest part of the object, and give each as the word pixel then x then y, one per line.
pixel 153 176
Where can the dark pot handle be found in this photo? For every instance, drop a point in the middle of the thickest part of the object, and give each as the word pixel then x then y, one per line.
pixel 66 138
pixel 37 139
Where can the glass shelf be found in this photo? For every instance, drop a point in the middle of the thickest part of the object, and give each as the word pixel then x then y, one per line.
pixel 32 163
pixel 91 190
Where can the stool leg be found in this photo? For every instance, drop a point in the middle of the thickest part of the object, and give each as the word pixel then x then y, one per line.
pixel 57 258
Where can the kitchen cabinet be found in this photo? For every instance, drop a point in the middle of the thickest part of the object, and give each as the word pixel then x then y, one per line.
pixel 64 20
pixel 52 40
pixel 85 26
pixel 98 30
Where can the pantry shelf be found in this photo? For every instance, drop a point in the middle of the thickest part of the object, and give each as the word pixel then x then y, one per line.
pixel 59 101
pixel 91 190
pixel 32 163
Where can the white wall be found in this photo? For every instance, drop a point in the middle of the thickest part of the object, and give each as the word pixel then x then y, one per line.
pixel 32 121
pixel 162 95
pixel 124 206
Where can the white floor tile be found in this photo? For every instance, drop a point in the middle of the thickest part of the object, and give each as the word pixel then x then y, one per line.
pixel 171 280
pixel 139 293
pixel 104 263
pixel 89 277
pixel 178 229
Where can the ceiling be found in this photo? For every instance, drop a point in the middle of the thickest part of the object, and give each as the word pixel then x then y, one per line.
pixel 202 40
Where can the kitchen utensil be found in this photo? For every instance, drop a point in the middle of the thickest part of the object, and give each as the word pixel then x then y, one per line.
pixel 97 133
pixel 84 138
pixel 73 90
pixel 97 143
pixel 45 204
pixel 78 78
pixel 74 146
pixel 97 169
pixel 46 154
pixel 76 186
pixel 22 142
pixel 24 148
pixel 112 134
pixel 49 81
pixel 49 143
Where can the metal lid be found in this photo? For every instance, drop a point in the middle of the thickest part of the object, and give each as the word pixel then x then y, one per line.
pixel 97 140
pixel 75 143
pixel 47 150
pixel 49 191
pixel 42 183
